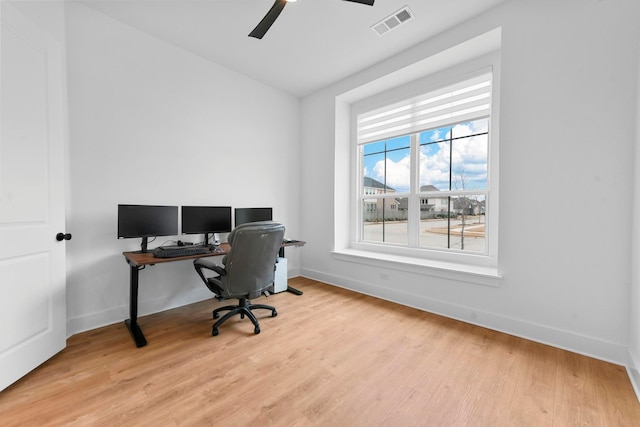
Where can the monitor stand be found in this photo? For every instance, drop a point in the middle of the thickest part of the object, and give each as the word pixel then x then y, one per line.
pixel 216 239
pixel 143 246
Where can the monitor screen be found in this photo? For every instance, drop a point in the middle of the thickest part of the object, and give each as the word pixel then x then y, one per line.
pixel 147 221
pixel 244 215
pixel 206 219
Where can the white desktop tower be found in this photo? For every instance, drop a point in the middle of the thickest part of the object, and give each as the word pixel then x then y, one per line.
pixel 280 283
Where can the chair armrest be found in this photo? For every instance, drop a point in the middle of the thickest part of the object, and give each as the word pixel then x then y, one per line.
pixel 204 263
pixel 220 270
pixel 201 263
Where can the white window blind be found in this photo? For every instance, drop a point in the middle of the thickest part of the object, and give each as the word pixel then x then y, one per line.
pixel 466 100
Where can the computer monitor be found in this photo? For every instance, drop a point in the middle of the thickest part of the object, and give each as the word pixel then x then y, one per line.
pixel 144 221
pixel 205 220
pixel 244 215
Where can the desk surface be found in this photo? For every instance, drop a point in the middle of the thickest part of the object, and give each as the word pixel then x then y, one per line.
pixel 139 259
pixel 136 259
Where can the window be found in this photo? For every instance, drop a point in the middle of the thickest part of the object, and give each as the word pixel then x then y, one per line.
pixel 423 171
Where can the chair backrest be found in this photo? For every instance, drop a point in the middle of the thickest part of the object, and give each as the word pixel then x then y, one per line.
pixel 250 263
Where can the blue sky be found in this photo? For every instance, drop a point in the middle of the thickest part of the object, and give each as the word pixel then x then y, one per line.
pixel 469 158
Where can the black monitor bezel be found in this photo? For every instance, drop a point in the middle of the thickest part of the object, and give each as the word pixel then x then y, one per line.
pixel 145 234
pixel 206 230
pixel 254 218
pixel 132 235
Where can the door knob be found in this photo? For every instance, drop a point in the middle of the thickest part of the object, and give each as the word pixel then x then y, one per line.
pixel 61 236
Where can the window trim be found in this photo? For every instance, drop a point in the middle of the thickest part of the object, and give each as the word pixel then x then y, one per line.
pixel 462 272
pixel 431 258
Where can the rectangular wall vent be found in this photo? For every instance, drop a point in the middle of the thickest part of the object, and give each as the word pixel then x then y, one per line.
pixel 392 21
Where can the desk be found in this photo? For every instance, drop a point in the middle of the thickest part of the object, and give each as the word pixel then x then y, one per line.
pixel 138 261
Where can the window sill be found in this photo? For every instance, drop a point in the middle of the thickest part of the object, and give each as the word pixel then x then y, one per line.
pixel 486 276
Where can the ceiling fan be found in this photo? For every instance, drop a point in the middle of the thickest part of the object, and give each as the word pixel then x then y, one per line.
pixel 268 20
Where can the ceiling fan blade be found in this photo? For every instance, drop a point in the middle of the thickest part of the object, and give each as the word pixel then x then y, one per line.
pixel 368 2
pixel 268 20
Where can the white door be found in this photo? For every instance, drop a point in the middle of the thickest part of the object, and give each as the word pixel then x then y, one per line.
pixel 32 261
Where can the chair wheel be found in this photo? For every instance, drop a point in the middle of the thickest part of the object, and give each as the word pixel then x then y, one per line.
pixel 274 313
pixel 257 330
pixel 214 332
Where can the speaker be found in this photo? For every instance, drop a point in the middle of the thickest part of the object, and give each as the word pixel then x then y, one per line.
pixel 216 239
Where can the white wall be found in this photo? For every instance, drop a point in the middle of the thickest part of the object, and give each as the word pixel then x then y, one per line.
pixel 567 131
pixel 153 124
pixel 634 339
pixel 48 15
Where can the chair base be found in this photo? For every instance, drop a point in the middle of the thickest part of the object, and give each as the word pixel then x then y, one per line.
pixel 243 308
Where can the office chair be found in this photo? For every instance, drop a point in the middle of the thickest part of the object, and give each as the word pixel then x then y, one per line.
pixel 248 272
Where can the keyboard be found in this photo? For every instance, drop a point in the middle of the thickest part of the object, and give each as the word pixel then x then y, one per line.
pixel 178 252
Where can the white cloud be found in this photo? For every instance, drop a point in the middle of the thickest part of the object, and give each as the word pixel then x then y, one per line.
pixel 469 155
pixel 469 151
pixel 397 173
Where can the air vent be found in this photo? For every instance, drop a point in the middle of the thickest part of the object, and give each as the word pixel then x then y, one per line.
pixel 392 21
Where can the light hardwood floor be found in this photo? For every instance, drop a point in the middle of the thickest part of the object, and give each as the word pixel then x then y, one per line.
pixel 330 358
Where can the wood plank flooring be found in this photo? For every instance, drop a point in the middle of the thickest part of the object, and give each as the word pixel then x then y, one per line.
pixel 330 358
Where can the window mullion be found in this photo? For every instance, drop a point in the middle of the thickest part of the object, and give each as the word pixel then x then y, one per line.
pixel 413 214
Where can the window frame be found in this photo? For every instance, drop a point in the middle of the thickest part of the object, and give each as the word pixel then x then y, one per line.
pixel 415 196
pixel 456 260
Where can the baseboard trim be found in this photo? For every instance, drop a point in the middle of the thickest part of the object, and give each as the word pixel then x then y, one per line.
pixel 99 319
pixel 566 340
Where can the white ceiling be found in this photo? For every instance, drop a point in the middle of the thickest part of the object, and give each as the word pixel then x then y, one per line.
pixel 312 44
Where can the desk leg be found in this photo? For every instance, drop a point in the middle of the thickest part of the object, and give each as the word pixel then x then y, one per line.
pixel 289 288
pixel 294 290
pixel 132 321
